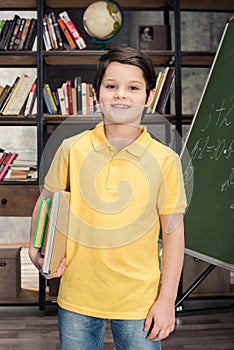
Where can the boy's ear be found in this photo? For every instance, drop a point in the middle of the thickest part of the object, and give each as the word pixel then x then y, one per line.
pixel 150 98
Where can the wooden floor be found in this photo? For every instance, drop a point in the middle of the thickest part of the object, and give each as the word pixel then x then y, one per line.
pixel 27 328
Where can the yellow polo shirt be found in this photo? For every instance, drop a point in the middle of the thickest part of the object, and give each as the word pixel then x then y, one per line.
pixel 116 200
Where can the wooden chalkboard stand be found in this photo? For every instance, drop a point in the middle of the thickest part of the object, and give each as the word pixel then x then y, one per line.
pixel 179 302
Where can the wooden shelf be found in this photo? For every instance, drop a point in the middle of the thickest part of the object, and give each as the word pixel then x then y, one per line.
pixel 209 5
pixel 18 58
pixel 13 4
pixel 18 120
pixel 197 58
pixel 133 4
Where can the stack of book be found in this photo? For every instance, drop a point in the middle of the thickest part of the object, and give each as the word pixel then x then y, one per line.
pixel 6 159
pixel 22 169
pixel 71 98
pixel 20 97
pixel 18 33
pixel 61 33
pixel 164 84
pixel 50 234
pixel 13 168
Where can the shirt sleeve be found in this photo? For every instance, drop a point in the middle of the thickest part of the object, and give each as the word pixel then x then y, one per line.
pixel 171 196
pixel 57 177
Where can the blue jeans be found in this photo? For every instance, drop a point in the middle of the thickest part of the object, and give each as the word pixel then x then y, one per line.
pixel 80 332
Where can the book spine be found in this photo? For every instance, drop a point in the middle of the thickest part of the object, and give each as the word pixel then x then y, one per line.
pixel 14 34
pixel 30 100
pixel 19 34
pixel 64 87
pixel 54 106
pixel 6 33
pixel 84 100
pixel 69 96
pixel 77 84
pixel 73 30
pixel 24 34
pixel 10 33
pixel 65 31
pixel 7 165
pixel 57 31
pixel 31 35
pixel 41 222
pixel 46 36
pixel 61 101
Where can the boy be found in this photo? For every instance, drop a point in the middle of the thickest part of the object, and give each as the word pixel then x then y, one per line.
pixel 124 186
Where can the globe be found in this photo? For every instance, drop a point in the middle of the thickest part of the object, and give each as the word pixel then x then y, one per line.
pixel 103 20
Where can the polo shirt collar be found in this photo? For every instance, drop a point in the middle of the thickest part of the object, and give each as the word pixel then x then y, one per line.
pixel 137 148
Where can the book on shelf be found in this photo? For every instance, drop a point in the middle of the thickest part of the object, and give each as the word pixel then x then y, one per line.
pixel 49 99
pixel 2 23
pixel 4 31
pixel 30 100
pixel 64 87
pixel 55 237
pixel 9 33
pixel 77 85
pixel 19 95
pixel 74 103
pixel 61 101
pixel 21 169
pixel 24 34
pixel 69 96
pixel 19 34
pixel 42 217
pixel 15 29
pixel 5 164
pixel 73 30
pixel 56 30
pixel 51 31
pixel 9 94
pixel 166 89
pixel 158 88
pixel 31 35
pixel 69 39
pixel 4 95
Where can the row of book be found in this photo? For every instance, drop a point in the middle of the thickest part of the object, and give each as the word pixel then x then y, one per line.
pixel 20 97
pixel 61 33
pixel 50 234
pixel 164 84
pixel 18 33
pixel 12 168
pixel 71 98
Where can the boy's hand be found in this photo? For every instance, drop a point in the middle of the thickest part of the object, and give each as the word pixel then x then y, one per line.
pixel 60 270
pixel 160 321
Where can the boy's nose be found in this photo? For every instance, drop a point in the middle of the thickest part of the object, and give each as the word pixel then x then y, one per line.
pixel 121 94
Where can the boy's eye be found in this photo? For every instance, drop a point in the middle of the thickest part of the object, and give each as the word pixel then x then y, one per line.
pixel 110 86
pixel 134 88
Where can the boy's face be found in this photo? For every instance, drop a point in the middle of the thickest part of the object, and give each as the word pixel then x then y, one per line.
pixel 122 95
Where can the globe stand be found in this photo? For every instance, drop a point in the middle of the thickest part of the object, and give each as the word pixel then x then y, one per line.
pixel 101 43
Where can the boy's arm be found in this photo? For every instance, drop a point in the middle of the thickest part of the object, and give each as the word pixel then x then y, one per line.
pixel 34 253
pixel 161 317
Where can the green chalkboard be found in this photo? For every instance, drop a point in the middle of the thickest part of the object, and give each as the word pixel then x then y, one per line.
pixel 209 171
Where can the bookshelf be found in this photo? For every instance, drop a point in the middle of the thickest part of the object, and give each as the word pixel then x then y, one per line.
pixel 51 65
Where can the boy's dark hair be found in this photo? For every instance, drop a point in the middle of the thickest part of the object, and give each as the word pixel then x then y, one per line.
pixel 126 55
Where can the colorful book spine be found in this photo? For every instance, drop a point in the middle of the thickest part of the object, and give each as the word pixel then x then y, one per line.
pixel 41 222
pixel 71 42
pixel 73 30
pixel 7 164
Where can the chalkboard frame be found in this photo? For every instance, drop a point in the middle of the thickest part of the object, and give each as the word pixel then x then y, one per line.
pixel 213 247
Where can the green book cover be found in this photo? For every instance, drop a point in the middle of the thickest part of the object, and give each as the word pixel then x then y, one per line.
pixel 41 222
